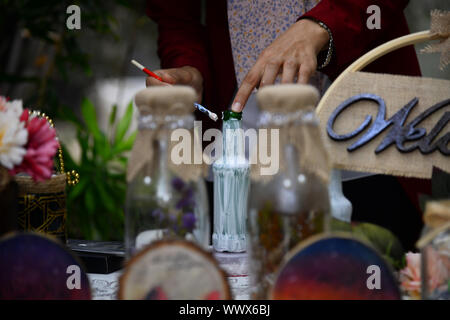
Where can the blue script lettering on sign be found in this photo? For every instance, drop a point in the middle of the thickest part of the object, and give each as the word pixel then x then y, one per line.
pixel 399 134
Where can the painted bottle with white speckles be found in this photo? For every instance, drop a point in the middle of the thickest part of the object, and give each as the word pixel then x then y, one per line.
pixel 231 186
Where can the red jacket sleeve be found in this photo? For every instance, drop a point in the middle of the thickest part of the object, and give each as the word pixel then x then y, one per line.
pixel 181 35
pixel 347 21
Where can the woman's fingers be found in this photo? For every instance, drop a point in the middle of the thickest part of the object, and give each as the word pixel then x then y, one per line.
pixel 306 70
pixel 167 78
pixel 295 50
pixel 290 71
pixel 270 73
pixel 186 75
pixel 251 80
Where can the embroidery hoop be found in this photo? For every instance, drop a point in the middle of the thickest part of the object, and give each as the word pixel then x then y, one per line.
pixel 378 52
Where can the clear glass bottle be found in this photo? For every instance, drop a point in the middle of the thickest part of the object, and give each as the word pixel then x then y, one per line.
pixel 435 265
pixel 434 246
pixel 161 203
pixel 231 185
pixel 293 204
pixel 341 207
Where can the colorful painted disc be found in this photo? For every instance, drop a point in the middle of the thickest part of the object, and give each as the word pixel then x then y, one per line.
pixel 34 266
pixel 335 267
pixel 173 270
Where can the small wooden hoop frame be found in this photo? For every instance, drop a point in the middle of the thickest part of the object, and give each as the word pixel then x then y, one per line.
pixel 378 52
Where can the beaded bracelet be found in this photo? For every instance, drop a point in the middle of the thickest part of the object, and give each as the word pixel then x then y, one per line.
pixel 330 46
pixel 330 42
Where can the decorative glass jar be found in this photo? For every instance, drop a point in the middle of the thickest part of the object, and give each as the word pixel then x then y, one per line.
pixel 434 246
pixel 166 196
pixel 292 204
pixel 435 266
pixel 231 184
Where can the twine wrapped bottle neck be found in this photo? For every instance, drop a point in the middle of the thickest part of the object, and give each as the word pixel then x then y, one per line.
pixel 278 119
pixel 162 111
pixel 289 110
pixel 169 122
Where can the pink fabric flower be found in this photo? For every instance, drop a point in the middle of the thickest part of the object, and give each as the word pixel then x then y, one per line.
pixel 438 273
pixel 41 148
pixel 410 276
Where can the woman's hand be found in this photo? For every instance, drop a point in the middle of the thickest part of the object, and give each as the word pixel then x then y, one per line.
pixel 187 75
pixel 293 54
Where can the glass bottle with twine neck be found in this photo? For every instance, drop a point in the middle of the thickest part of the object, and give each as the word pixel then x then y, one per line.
pixel 291 205
pixel 166 196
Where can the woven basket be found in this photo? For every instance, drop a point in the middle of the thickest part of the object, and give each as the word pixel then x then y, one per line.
pixel 42 205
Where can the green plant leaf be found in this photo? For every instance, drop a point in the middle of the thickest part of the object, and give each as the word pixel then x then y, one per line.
pixel 82 139
pixel 381 238
pixel 122 159
pixel 77 190
pixel 102 147
pixel 113 115
pixel 124 124
pixel 89 200
pixel 90 118
pixel 106 198
pixel 125 145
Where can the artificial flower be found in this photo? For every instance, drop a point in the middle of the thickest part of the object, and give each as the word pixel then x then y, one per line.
pixel 158 214
pixel 189 220
pixel 178 184
pixel 40 149
pixel 410 276
pixel 13 135
pixel 438 271
pixel 187 200
pixel 14 106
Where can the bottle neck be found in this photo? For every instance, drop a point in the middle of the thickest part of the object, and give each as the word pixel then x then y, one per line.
pixel 161 152
pixel 299 117
pixel 228 114
pixel 156 122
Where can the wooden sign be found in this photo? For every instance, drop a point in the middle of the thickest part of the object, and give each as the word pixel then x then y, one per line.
pixel 173 270
pixel 35 266
pixel 387 124
pixel 334 267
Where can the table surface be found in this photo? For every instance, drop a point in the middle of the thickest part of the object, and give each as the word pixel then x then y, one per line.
pixel 105 286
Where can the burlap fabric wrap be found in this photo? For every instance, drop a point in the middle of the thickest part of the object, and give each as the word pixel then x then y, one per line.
pixel 440 25
pixel 437 219
pixel 163 110
pixel 55 184
pixel 290 108
pixel 5 178
pixel 437 213
pixel 396 91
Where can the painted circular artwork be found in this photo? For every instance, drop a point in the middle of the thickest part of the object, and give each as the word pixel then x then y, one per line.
pixel 335 268
pixel 34 266
pixel 173 270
